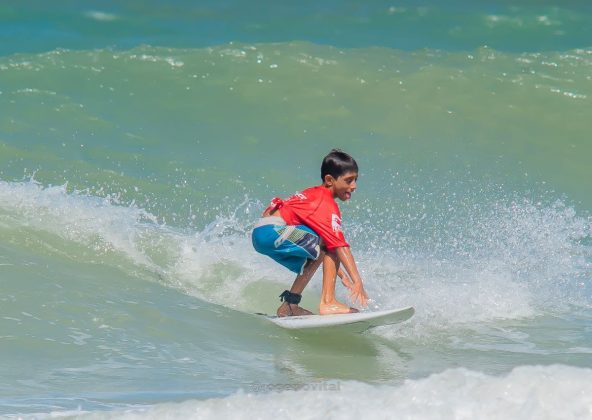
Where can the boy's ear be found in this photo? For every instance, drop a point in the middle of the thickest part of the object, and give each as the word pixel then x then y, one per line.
pixel 329 180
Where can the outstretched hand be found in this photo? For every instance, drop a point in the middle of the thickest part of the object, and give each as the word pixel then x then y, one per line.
pixel 357 294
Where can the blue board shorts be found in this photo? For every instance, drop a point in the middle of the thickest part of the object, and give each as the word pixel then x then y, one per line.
pixel 291 246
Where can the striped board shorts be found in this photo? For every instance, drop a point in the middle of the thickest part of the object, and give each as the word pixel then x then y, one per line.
pixel 291 246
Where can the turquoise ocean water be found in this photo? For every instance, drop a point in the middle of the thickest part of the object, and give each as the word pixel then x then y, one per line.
pixel 139 141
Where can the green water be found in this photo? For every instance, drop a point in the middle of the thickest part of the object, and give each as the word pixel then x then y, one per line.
pixel 102 118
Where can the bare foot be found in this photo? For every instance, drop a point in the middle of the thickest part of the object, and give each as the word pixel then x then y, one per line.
pixel 335 307
pixel 291 309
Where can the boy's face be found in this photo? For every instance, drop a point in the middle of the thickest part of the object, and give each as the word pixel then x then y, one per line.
pixel 343 186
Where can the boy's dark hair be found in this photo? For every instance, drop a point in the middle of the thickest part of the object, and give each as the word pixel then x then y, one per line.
pixel 337 163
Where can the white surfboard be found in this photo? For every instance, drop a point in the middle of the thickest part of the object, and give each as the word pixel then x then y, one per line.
pixel 356 322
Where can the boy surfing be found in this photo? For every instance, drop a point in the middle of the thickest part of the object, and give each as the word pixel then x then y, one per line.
pixel 303 231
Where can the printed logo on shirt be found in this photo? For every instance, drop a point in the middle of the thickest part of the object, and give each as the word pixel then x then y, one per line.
pixel 336 223
pixel 300 196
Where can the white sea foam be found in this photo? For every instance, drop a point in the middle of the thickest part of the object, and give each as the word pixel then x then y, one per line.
pixel 94 222
pixel 101 16
pixel 528 392
pixel 214 264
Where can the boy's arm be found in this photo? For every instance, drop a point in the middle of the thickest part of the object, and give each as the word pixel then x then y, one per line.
pixel 357 292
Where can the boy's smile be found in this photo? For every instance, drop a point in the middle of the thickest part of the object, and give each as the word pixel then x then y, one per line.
pixel 343 186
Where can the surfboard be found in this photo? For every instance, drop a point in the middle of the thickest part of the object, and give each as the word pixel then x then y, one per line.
pixel 357 322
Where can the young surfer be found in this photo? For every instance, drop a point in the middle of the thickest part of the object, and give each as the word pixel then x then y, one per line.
pixel 304 231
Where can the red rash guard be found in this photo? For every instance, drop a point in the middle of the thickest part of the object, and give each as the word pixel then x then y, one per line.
pixel 316 208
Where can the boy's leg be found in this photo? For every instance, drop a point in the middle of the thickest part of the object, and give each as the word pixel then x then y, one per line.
pixel 290 309
pixel 330 305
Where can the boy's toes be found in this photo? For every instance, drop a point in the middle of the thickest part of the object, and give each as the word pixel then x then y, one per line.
pixel 336 308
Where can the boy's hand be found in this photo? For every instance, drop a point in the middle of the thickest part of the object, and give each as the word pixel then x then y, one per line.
pixel 356 290
pixel 357 294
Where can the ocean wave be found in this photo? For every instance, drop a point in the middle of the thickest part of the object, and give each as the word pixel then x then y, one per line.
pixel 509 262
pixel 528 392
